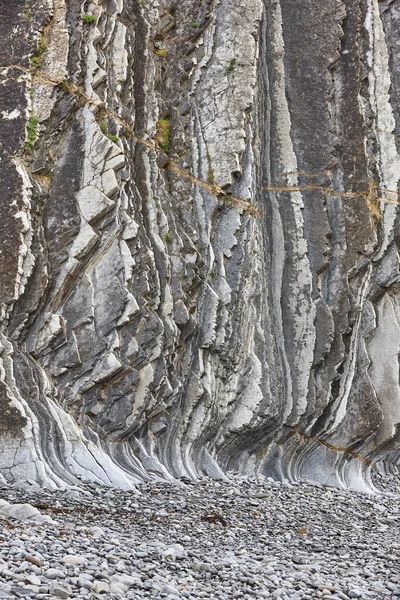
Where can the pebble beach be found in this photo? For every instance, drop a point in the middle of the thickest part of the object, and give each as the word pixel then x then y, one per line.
pixel 246 538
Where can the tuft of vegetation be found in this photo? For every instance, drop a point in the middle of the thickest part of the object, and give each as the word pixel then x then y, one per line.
pixel 103 127
pixel 375 213
pixel 229 69
pixel 44 179
pixel 88 18
pixel 160 49
pixel 102 121
pixel 372 197
pixel 36 59
pixel 163 134
pixel 64 86
pixel 167 238
pixel 31 131
pixel 193 24
pixel 210 172
pixel 26 10
pixel 162 53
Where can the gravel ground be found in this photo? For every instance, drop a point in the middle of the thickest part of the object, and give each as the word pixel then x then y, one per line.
pixel 250 538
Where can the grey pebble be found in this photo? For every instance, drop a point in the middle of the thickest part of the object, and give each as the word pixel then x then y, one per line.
pixel 54 573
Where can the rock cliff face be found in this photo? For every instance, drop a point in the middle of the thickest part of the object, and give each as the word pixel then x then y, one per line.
pixel 199 266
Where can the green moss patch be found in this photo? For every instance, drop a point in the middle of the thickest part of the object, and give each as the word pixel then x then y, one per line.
pixel 31 131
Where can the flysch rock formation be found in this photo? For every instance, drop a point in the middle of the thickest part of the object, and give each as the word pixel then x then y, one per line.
pixel 199 267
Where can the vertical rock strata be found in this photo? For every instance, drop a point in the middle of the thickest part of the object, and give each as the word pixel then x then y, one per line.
pixel 199 239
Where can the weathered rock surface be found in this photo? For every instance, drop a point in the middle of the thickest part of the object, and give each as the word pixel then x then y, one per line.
pixel 199 239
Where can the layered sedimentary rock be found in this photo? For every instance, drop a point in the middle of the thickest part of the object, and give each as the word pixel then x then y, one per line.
pixel 199 266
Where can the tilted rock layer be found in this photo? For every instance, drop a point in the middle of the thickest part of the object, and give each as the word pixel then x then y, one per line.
pixel 199 265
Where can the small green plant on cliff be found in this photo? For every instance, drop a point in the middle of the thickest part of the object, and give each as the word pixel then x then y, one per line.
pixel 229 69
pixel 31 130
pixel 103 127
pixel 194 24
pixel 36 59
pixel 104 131
pixel 88 18
pixel 163 134
pixel 113 138
pixel 101 119
pixel 63 85
pixel 26 10
pixel 167 238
